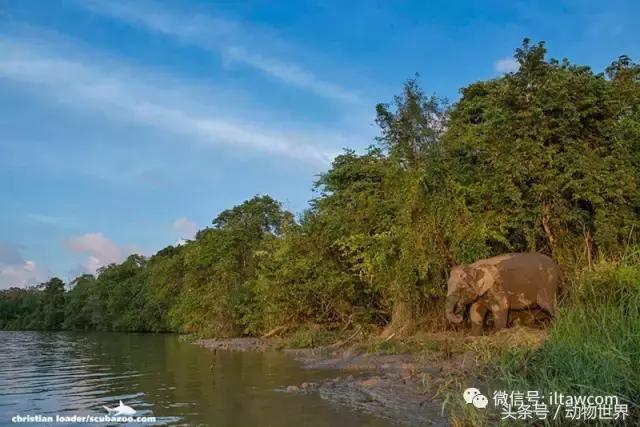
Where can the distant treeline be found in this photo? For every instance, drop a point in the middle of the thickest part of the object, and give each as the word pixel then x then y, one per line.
pixel 545 159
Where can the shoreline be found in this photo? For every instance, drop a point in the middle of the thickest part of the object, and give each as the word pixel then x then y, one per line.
pixel 386 386
pixel 408 387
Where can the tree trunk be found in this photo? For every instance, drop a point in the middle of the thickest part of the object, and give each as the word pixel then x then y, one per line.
pixel 402 320
pixel 546 217
pixel 588 247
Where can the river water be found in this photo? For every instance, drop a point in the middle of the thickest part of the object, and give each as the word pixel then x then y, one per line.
pixel 66 374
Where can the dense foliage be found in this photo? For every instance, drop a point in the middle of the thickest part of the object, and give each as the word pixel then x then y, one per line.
pixel 593 343
pixel 546 159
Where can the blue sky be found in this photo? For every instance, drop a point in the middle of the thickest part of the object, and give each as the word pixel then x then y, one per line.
pixel 127 125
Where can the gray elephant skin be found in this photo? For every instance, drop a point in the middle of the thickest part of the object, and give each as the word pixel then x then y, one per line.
pixel 506 282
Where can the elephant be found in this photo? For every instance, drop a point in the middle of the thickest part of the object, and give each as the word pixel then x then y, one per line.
pixel 530 317
pixel 516 281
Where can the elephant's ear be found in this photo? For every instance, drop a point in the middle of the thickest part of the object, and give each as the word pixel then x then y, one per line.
pixel 483 280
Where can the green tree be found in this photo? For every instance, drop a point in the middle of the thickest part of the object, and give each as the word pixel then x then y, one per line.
pixel 539 154
pixel 52 303
pixel 546 158
pixel 220 268
pixel 77 310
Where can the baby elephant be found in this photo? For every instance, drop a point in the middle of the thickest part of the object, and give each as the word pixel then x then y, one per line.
pixel 499 284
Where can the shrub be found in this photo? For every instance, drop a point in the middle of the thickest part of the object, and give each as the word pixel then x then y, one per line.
pixel 594 341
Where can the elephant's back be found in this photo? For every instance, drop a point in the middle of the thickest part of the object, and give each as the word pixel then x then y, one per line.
pixel 496 260
pixel 522 260
pixel 531 270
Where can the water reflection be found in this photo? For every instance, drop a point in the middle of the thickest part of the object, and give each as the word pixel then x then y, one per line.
pixel 179 383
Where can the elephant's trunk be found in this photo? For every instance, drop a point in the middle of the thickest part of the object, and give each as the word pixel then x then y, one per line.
pixel 450 310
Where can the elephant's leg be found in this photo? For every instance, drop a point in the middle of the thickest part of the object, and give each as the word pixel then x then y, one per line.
pixel 546 304
pixel 520 317
pixel 501 317
pixel 542 317
pixel 500 309
pixel 477 313
pixel 530 317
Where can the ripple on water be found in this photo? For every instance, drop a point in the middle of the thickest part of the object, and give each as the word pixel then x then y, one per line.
pixel 50 373
pixel 79 373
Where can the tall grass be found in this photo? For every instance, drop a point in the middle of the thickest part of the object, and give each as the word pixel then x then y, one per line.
pixel 594 341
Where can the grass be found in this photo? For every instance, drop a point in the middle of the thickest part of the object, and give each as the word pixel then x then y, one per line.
pixel 387 347
pixel 487 351
pixel 594 342
pixel 591 348
pixel 309 336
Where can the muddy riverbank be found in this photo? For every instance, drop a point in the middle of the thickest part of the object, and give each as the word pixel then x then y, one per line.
pixel 408 387
pixel 391 386
pixel 388 386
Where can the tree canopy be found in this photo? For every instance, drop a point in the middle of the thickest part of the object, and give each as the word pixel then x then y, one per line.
pixel 545 158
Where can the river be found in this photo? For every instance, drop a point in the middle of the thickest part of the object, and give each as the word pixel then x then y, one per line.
pixel 159 375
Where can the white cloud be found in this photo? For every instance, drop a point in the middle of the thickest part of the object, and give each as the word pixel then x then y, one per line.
pixel 16 271
pixel 291 74
pixel 185 228
pixel 506 65
pixel 100 250
pixel 139 96
pixel 25 274
pixel 235 41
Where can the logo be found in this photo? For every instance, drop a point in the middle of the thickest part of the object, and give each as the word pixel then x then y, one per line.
pixel 473 396
pixel 121 409
pixel 118 414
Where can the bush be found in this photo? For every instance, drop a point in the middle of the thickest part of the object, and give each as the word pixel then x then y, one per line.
pixel 594 341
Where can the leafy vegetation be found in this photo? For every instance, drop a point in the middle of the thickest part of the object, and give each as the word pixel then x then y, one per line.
pixel 593 343
pixel 590 349
pixel 544 159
